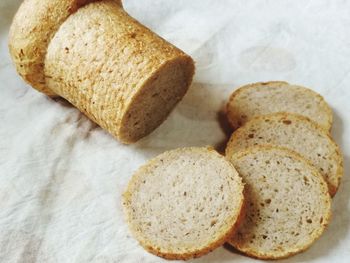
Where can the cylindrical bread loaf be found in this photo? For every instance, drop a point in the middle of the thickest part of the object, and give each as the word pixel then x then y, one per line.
pixel 119 73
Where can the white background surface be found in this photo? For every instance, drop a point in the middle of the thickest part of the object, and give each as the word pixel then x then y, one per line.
pixel 61 176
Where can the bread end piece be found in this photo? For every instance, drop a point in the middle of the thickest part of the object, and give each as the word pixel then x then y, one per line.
pixel 31 31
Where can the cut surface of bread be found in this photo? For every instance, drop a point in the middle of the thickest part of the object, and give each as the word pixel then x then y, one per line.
pixel 277 96
pixel 155 100
pixel 184 203
pixel 297 133
pixel 287 203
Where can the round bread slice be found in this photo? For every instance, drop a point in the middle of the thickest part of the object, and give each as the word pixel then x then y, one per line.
pixel 184 203
pixel 297 133
pixel 287 203
pixel 277 96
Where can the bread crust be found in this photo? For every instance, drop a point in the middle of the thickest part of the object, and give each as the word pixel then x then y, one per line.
pixel 238 135
pixel 224 236
pixel 327 198
pixel 235 121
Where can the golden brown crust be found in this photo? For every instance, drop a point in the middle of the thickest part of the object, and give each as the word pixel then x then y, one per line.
pixel 236 121
pixel 226 234
pixel 340 168
pixel 326 219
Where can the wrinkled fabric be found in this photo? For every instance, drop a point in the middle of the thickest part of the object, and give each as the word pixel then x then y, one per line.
pixel 61 176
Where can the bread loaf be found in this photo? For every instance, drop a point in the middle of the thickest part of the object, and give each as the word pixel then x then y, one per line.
pixel 277 96
pixel 184 203
pixel 119 73
pixel 287 203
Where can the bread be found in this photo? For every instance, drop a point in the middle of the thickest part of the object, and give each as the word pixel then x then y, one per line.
pixel 277 96
pixel 119 73
pixel 184 203
pixel 297 133
pixel 287 203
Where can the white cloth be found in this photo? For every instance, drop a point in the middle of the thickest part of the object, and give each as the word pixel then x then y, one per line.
pixel 61 176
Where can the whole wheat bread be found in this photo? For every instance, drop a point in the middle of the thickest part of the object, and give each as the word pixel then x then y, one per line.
pixel 277 96
pixel 119 73
pixel 184 203
pixel 287 203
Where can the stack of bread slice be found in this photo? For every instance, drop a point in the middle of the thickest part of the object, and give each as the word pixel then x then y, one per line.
pixel 283 150
pixel 270 197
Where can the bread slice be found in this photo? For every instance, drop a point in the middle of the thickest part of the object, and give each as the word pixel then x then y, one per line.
pixel 184 203
pixel 297 133
pixel 287 203
pixel 277 96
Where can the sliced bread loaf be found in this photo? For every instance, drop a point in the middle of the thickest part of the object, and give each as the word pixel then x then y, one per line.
pixel 277 96
pixel 119 73
pixel 297 133
pixel 184 203
pixel 287 203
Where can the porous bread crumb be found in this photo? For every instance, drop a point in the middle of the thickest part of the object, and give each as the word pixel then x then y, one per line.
pixel 184 203
pixel 277 96
pixel 287 203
